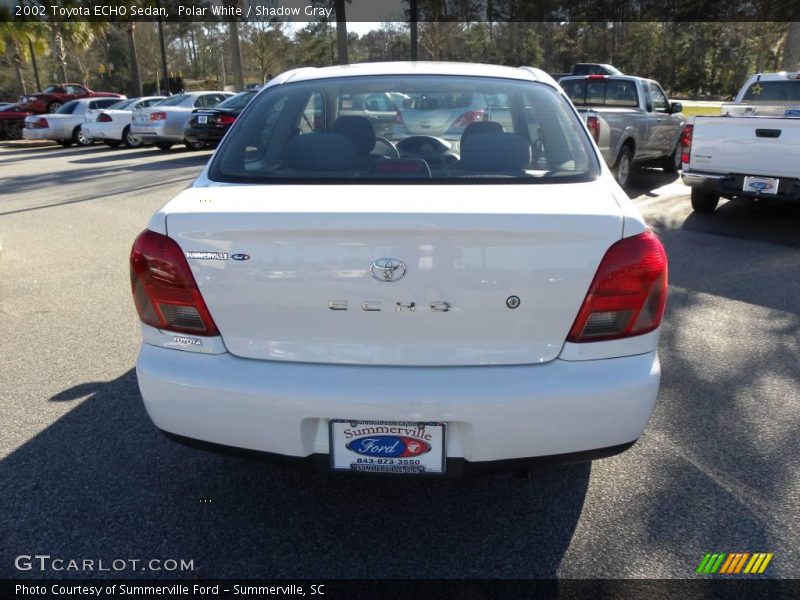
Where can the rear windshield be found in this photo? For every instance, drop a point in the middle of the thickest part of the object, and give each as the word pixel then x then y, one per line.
pixel 238 101
pixel 773 91
pixel 53 89
pixel 68 108
pixel 174 100
pixel 601 92
pixel 123 104
pixel 413 128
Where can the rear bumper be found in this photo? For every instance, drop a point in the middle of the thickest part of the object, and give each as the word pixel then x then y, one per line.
pixel 581 409
pixel 41 134
pixel 154 135
pixel 731 185
pixel 209 136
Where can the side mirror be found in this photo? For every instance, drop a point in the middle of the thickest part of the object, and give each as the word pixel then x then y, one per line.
pixel 675 107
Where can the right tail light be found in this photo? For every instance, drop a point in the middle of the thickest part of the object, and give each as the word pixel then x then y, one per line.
pixel 628 293
pixel 164 289
pixel 158 116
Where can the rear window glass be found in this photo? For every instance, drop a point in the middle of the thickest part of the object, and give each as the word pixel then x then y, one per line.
pixel 601 92
pixel 174 100
pixel 68 108
pixel 773 91
pixel 238 101
pixel 406 128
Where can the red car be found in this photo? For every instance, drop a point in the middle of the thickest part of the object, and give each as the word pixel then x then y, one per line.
pixel 12 120
pixel 53 96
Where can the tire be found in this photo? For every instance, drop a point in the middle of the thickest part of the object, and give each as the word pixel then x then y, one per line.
pixel 14 131
pixel 112 143
pixel 704 202
pixel 194 145
pixel 54 106
pixel 79 139
pixel 623 167
pixel 130 140
pixel 164 146
pixel 65 143
pixel 672 164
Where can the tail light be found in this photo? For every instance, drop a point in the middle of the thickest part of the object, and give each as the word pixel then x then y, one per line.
pixel 40 123
pixel 598 76
pixel 628 293
pixel 225 119
pixel 468 117
pixel 398 118
pixel 164 289
pixel 103 118
pixel 593 123
pixel 158 116
pixel 686 142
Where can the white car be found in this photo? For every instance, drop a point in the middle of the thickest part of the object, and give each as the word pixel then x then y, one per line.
pixel 64 126
pixel 113 124
pixel 163 125
pixel 355 303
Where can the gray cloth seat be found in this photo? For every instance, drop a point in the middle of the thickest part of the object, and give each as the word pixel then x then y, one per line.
pixel 502 153
pixel 360 132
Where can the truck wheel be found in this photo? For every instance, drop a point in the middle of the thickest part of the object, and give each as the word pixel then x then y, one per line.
pixel 672 164
pixel 622 168
pixel 704 202
pixel 164 146
pixel 54 106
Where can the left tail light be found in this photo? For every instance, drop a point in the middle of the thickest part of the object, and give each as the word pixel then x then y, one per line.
pixel 628 294
pixel 158 116
pixel 164 289
pixel 686 142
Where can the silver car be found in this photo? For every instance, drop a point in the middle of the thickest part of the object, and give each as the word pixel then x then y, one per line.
pixel 163 124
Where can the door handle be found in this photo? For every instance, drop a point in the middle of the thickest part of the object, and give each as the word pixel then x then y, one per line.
pixel 768 133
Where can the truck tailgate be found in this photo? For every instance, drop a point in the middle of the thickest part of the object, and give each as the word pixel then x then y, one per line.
pixel 746 145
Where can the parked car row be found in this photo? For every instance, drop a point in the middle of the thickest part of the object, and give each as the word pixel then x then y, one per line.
pixel 132 122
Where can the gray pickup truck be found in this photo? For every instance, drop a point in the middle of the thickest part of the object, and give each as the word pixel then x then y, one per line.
pixel 631 120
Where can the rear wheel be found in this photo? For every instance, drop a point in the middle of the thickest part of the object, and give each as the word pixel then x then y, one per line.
pixel 130 140
pixel 164 146
pixel 672 164
pixel 194 144
pixel 704 202
pixel 622 169
pixel 65 143
pixel 54 106
pixel 14 131
pixel 112 143
pixel 79 138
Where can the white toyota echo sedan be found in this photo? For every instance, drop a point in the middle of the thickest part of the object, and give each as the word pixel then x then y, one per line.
pixel 438 304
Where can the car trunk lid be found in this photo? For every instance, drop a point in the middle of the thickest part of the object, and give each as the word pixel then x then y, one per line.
pixel 298 277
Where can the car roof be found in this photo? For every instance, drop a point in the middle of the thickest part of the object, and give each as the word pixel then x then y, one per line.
pixel 411 68
pixel 781 76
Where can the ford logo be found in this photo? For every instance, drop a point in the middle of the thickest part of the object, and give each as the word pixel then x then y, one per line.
pixel 760 186
pixel 388 269
pixel 389 446
pixel 240 256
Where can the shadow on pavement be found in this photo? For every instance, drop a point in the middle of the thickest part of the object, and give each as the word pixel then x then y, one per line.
pixel 644 180
pixel 102 482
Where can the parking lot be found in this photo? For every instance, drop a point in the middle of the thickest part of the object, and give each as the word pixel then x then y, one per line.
pixel 83 473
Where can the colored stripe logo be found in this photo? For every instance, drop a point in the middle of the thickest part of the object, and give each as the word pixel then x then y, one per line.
pixel 734 563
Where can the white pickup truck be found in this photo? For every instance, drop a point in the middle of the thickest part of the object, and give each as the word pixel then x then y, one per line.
pixel 752 150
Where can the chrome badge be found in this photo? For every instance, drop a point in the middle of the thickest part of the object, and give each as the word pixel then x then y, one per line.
pixel 388 269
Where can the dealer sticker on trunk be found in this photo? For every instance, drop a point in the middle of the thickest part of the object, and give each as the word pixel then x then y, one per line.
pixel 387 447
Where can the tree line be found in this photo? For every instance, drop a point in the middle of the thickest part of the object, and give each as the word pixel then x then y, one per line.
pixel 689 59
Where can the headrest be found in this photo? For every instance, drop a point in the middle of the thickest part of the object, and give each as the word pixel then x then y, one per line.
pixel 358 130
pixel 481 127
pixel 321 152
pixel 495 152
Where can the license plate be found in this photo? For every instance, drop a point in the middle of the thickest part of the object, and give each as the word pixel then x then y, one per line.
pixel 202 120
pixel 762 185
pixel 407 448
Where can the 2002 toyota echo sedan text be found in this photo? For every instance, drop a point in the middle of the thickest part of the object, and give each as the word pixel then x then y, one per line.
pixel 473 294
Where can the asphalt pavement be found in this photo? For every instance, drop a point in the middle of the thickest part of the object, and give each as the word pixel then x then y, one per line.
pixel 84 475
